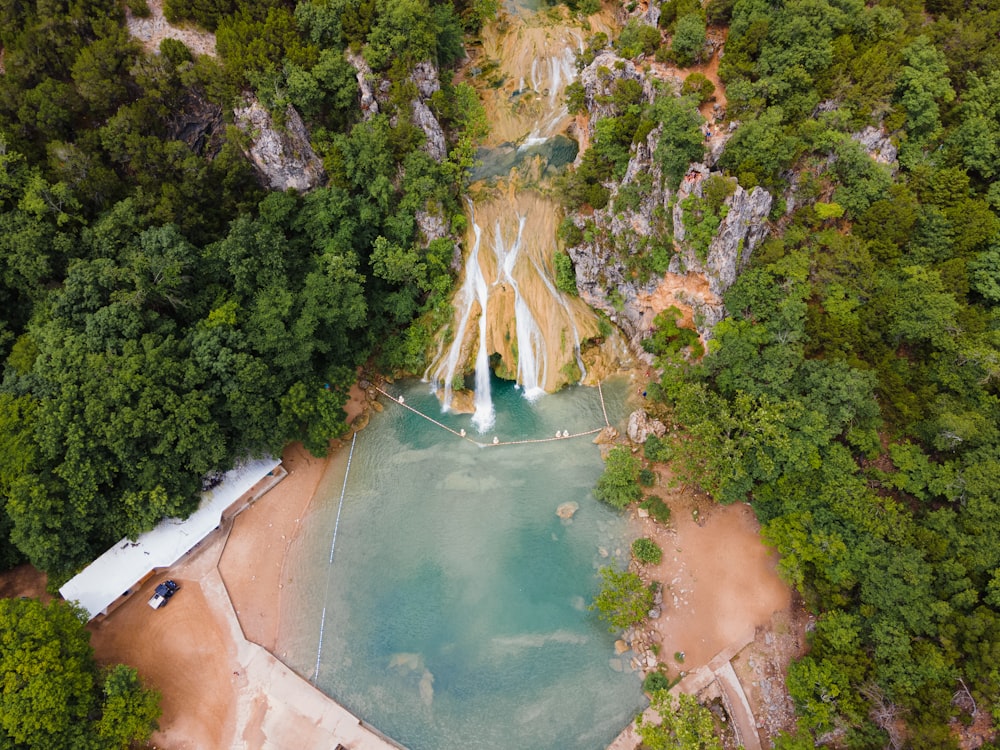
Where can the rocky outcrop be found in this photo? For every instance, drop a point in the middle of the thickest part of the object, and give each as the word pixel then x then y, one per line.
pixel 692 284
pixel 431 225
pixel 366 85
pixel 742 229
pixel 199 123
pixel 283 156
pixel 878 144
pixel 598 80
pixel 425 76
pixel 641 426
pixel 374 94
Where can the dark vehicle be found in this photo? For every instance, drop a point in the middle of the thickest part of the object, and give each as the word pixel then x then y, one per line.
pixel 162 594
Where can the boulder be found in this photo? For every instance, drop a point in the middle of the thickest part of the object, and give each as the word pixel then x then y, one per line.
pixel 878 144
pixel 641 426
pixel 606 436
pixel 620 647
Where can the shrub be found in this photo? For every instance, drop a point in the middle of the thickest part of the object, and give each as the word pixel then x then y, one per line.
pixel 659 511
pixel 647 477
pixel 689 39
pixel 619 484
pixel 699 85
pixel 656 449
pixel 646 551
pixel 656 681
pixel 565 275
pixel 638 39
pixel 138 8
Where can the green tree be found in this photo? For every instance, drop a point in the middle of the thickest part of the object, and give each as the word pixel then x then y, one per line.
pixel 51 693
pixel 685 725
pixel 689 39
pixel 645 550
pixel 129 712
pixel 619 484
pixel 922 85
pixel 624 600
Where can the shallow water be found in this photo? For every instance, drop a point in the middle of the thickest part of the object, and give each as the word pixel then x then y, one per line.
pixel 456 601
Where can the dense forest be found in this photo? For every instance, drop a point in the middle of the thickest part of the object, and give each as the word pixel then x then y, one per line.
pixel 163 315
pixel 851 394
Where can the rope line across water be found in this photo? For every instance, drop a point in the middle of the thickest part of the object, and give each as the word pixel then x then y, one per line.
pixel 462 436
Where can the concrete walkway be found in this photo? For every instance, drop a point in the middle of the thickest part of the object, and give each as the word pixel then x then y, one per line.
pixel 276 709
pixel 717 673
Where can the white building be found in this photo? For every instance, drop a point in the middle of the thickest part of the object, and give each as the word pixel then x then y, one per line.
pixel 111 577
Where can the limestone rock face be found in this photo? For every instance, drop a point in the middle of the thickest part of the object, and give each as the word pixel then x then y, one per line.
pixel 641 426
pixel 743 228
pixel 283 157
pixel 431 225
pixel 690 284
pixel 425 76
pixel 598 80
pixel 878 144
pixel 366 84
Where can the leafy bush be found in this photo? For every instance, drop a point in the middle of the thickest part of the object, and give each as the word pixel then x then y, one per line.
pixel 638 39
pixel 659 511
pixel 647 477
pixel 565 275
pixel 656 681
pixel 623 600
pixel 689 39
pixel 646 551
pixel 656 449
pixel 619 484
pixel 699 85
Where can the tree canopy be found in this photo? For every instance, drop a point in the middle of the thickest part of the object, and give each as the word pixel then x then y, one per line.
pixel 52 694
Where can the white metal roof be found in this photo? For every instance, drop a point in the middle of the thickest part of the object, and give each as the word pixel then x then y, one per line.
pixel 127 562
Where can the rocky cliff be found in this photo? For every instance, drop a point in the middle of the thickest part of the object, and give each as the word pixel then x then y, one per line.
pixel 641 255
pixel 375 95
pixel 283 155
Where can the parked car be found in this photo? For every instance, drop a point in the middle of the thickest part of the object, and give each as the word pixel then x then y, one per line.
pixel 162 593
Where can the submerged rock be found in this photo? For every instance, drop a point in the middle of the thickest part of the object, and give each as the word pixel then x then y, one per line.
pixel 567 510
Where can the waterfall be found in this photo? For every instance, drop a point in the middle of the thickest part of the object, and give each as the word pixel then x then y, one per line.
pixel 484 416
pixel 532 358
pixel 469 293
pixel 532 328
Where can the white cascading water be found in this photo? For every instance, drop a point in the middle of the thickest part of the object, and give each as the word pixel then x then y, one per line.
pixel 532 359
pixel 546 62
pixel 473 289
pixel 562 70
pixel 484 416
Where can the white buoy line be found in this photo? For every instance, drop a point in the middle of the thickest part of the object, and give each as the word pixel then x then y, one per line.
pixel 329 569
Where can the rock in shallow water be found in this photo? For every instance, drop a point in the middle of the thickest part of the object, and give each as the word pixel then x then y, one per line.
pixel 567 510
